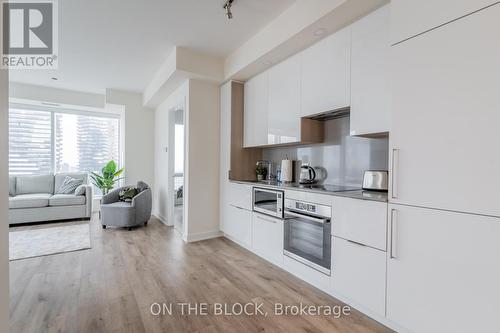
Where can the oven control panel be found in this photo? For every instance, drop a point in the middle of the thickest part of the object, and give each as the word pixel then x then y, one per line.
pixel 308 208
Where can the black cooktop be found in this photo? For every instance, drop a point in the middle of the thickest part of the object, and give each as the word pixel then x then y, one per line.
pixel 328 188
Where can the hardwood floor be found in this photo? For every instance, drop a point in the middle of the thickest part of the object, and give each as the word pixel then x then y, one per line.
pixel 110 288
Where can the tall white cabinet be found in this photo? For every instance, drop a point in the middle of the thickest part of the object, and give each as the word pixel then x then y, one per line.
pixel 444 225
pixel 410 18
pixel 443 270
pixel 370 74
pixel 446 110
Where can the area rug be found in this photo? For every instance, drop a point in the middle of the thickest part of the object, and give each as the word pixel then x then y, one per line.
pixel 42 240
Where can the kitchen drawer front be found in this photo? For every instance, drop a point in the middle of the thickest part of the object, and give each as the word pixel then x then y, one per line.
pixel 240 195
pixel 360 221
pixel 238 225
pixel 358 274
pixel 267 238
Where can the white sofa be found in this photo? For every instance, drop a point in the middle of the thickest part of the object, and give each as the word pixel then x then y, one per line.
pixel 34 199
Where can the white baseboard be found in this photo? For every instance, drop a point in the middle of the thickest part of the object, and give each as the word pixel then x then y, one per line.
pixel 202 236
pixel 162 219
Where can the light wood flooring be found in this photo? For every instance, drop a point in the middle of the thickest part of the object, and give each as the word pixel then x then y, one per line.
pixel 110 288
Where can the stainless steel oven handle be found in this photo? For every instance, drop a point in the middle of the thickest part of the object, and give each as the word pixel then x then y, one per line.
pixel 307 217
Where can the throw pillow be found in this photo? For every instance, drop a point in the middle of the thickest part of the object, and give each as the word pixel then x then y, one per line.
pixel 128 193
pixel 80 190
pixel 69 185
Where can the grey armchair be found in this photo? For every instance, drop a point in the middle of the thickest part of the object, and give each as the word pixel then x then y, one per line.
pixel 126 214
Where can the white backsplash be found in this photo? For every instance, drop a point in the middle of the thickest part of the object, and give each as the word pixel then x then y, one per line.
pixel 343 157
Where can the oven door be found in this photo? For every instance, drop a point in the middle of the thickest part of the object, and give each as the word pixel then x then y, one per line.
pixel 308 240
pixel 269 202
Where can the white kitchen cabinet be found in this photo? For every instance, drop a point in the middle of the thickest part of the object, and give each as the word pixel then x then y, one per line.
pixel 413 17
pixel 443 271
pixel 240 195
pixel 444 134
pixel 239 225
pixel 370 74
pixel 267 238
pixel 256 111
pixel 325 74
pixel 358 274
pixel 284 102
pixel 361 221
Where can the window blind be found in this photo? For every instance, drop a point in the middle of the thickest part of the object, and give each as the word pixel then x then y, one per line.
pixel 30 142
pixel 54 142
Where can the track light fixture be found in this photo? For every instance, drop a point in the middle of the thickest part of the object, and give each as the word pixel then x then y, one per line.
pixel 227 8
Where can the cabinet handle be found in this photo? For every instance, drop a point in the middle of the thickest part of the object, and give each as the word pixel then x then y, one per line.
pixel 264 219
pixel 394 176
pixel 392 240
pixel 237 207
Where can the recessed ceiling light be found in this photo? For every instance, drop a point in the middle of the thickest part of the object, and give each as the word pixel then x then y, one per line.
pixel 319 32
pixel 54 78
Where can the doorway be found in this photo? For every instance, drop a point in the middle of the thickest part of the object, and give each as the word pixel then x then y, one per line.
pixel 176 168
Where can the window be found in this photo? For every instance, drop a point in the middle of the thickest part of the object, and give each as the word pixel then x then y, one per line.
pixel 54 141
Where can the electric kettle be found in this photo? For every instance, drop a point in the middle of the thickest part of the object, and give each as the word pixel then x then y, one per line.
pixel 307 174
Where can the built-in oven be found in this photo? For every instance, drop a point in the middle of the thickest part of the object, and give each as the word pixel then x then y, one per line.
pixel 308 234
pixel 268 201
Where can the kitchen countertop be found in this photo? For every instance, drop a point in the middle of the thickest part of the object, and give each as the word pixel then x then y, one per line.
pixel 354 194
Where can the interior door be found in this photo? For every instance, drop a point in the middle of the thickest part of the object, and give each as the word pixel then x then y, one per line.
pixel 445 116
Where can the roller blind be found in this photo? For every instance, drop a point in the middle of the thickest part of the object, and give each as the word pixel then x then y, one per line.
pixel 30 142
pixel 54 142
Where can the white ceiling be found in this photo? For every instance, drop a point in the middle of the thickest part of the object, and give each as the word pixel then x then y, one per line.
pixel 120 44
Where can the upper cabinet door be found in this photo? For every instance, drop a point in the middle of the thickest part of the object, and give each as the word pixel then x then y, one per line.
pixel 255 111
pixel 326 74
pixel 370 71
pixel 445 116
pixel 439 264
pixel 413 17
pixel 284 102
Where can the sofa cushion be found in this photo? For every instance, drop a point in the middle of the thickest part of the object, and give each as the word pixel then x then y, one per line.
pixel 34 184
pixel 34 200
pixel 59 178
pixel 68 186
pixel 66 200
pixel 12 186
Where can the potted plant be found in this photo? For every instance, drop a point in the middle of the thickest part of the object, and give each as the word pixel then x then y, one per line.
pixel 108 177
pixel 261 172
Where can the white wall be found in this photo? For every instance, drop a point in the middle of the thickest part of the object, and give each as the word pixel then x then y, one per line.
pixel 202 161
pixel 4 231
pixel 139 136
pixel 161 123
pixel 54 95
